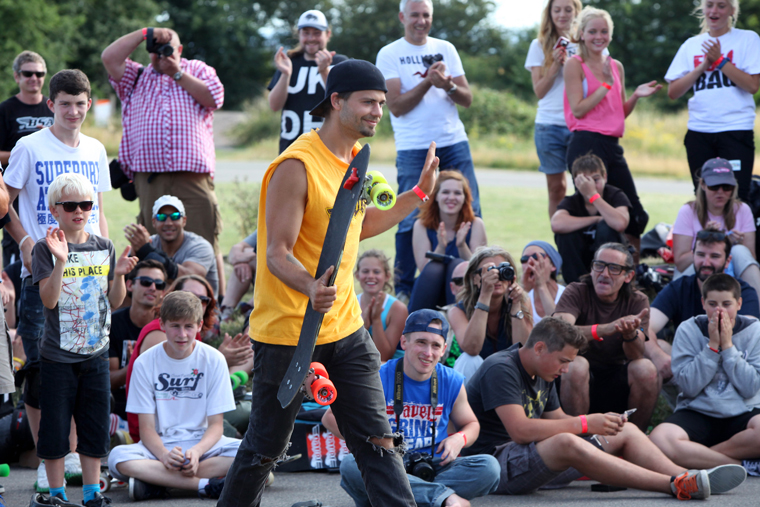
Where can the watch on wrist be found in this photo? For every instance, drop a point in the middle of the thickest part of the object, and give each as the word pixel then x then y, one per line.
pixel 519 315
pixel 482 306
pixel 178 75
pixel 452 90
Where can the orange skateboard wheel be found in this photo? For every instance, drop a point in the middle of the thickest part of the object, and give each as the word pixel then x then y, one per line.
pixel 319 369
pixel 323 391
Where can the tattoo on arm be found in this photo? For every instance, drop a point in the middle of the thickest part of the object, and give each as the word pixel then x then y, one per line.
pixel 295 261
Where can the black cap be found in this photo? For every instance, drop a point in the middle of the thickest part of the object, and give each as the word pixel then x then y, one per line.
pixel 350 76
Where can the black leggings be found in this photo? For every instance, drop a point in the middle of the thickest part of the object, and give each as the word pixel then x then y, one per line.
pixel 618 175
pixel 431 288
pixel 731 145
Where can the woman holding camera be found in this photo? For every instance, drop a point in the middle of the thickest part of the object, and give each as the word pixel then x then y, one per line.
pixel 493 311
pixel 545 61
pixel 448 227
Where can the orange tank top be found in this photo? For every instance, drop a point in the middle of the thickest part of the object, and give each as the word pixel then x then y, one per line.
pixel 278 310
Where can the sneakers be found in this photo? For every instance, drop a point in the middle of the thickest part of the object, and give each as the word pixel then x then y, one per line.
pixel 725 478
pixel 214 487
pixel 141 490
pixel 752 466
pixel 72 468
pixel 691 485
pixel 42 485
pixel 40 500
pixel 98 501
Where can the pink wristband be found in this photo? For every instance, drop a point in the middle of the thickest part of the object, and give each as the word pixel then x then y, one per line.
pixel 422 195
pixel 607 85
pixel 584 424
pixel 716 351
pixel 594 334
pixel 145 33
pixel 594 198
pixel 463 436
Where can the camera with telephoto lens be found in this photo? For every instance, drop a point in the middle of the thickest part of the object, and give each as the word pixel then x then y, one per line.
pixel 420 464
pixel 153 46
pixel 506 271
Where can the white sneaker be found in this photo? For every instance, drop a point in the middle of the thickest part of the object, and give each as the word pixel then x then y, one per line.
pixel 42 485
pixel 72 466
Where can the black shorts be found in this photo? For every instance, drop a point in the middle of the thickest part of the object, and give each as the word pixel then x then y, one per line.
pixel 608 389
pixel 707 430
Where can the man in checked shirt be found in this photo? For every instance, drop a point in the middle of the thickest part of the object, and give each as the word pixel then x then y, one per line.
pixel 167 113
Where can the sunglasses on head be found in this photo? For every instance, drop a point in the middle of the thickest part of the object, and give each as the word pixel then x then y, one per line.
pixel 29 73
pixel 614 269
pixel 711 236
pixel 161 217
pixel 71 206
pixel 525 258
pixel 147 281
pixel 204 299
pixel 725 187
pixel 457 280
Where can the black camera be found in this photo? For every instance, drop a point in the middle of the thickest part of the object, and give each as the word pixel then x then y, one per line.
pixel 420 464
pixel 153 46
pixel 506 271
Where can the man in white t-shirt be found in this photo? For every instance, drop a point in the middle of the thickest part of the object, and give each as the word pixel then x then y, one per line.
pixel 34 163
pixel 425 82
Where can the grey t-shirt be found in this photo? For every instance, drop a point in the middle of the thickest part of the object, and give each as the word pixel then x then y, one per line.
pixel 78 327
pixel 196 249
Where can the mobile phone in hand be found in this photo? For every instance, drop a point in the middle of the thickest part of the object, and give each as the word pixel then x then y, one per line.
pixel 628 413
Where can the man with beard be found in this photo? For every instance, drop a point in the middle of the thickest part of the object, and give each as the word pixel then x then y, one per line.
pixel 681 299
pixel 304 71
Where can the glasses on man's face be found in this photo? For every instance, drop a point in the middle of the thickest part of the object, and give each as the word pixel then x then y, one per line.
pixel 457 280
pixel 725 188
pixel 161 217
pixel 29 73
pixel 71 206
pixel 147 281
pixel 525 258
pixel 614 269
pixel 711 236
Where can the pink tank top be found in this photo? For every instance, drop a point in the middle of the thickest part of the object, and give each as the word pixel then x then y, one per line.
pixel 608 117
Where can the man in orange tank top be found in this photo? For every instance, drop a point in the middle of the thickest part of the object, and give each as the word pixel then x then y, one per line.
pixel 297 193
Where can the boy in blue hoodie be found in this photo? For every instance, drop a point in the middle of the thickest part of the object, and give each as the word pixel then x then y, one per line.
pixel 716 365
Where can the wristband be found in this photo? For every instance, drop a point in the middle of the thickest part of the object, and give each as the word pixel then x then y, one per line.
pixel 584 424
pixel 463 436
pixel 722 61
pixel 422 195
pixel 607 85
pixel 594 335
pixel 594 198
pixel 635 337
pixel 482 306
pixel 145 33
pixel 20 361
pixel 20 243
pixel 714 350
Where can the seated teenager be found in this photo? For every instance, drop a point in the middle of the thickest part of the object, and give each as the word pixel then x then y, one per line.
pixel 717 206
pixel 612 375
pixel 145 287
pixel 243 259
pixel 180 391
pixel 383 314
pixel 447 226
pixel 681 299
pixel 596 214
pixel 540 264
pixel 716 364
pixel 522 424
pixel 492 313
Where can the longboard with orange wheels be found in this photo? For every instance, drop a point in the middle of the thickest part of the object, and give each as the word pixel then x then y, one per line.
pixel 317 386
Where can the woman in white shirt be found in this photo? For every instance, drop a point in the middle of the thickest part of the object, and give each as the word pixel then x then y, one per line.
pixel 721 66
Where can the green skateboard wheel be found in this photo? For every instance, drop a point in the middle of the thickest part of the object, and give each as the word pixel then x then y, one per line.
pixel 5 470
pixel 235 381
pixel 383 196
pixel 243 376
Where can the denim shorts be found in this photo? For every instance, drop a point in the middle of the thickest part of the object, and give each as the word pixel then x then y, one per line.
pixel 551 146
pixel 81 390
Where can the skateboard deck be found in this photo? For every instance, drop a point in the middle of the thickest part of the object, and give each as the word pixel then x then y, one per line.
pixel 351 189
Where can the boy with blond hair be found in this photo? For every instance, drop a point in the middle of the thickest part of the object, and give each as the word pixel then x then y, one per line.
pixel 180 390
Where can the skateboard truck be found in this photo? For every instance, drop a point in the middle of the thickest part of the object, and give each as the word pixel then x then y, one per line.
pixel 352 180
pixel 317 386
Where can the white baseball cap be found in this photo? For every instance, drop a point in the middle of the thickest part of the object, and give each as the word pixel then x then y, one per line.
pixel 168 200
pixel 314 19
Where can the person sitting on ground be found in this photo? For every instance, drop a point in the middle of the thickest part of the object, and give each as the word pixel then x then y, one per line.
pixel 145 286
pixel 236 351
pixel 492 313
pixel 181 252
pixel 717 206
pixel 453 351
pixel 716 364
pixel 243 259
pixel 447 225
pixel 597 213
pixel 383 314
pixel 182 444
pixel 612 375
pixel 425 426
pixel 681 299
pixel 515 399
pixel 541 263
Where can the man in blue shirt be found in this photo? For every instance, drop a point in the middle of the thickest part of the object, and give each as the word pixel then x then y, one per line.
pixel 681 299
pixel 420 402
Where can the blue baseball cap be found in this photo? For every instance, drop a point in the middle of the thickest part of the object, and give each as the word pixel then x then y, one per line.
pixel 420 320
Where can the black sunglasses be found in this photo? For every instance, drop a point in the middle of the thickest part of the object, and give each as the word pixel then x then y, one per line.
pixel 457 280
pixel 29 73
pixel 161 217
pixel 614 269
pixel 711 236
pixel 525 258
pixel 147 281
pixel 204 299
pixel 725 187
pixel 71 206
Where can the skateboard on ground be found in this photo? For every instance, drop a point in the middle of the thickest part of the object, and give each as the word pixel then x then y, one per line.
pixel 355 186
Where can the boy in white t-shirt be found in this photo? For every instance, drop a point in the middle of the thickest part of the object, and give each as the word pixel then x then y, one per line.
pixel 180 390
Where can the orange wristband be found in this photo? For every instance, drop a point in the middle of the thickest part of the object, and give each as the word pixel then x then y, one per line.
pixel 594 198
pixel 584 424
pixel 463 436
pixel 422 195
pixel 145 33
pixel 607 85
pixel 594 335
